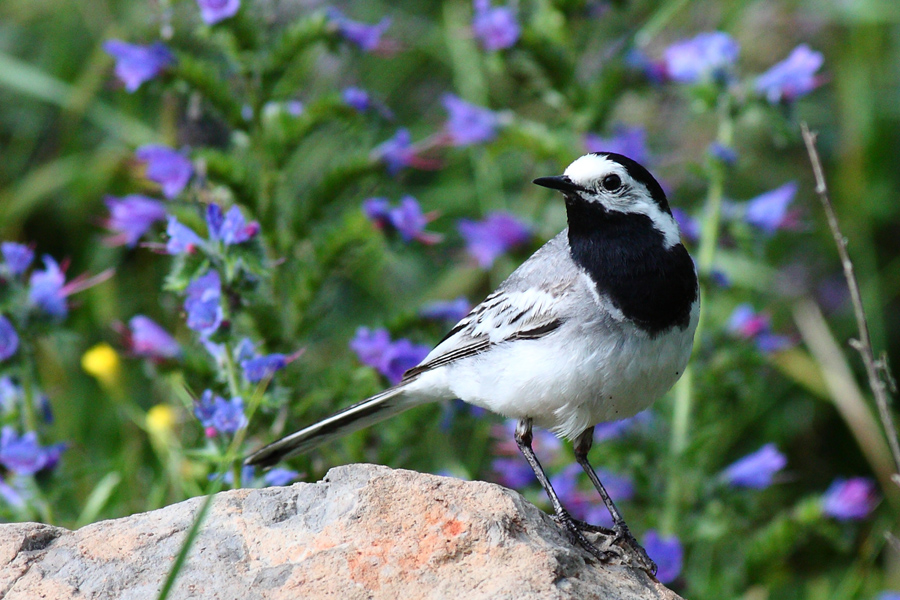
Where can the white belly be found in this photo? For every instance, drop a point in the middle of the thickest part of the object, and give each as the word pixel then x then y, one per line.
pixel 568 381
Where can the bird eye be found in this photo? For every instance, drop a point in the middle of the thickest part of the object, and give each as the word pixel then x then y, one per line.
pixel 611 183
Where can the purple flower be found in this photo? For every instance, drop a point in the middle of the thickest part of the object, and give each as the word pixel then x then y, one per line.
pixel 229 228
pixel 706 56
pixel 628 141
pixel 391 358
pixel 356 98
pixel 488 239
pixel 667 553
pixel 397 152
pixel 204 311
pixel 182 239
pixel 689 226
pixel 23 455
pixel 247 474
pixel 367 37
pixel 446 310
pixel 280 476
pixel 15 495
pixel 378 210
pixel 654 70
pixel 218 415
pixel 497 27
pixel 757 469
pixel 888 595
pixel 18 257
pixel 850 499
pixel 130 217
pixel 406 218
pixel 769 211
pixel 213 11
pixel 260 367
pixel 9 339
pixel 793 77
pixel 170 169
pixel 725 154
pixel 468 124
pixel 750 325
pixel 137 64
pixel 46 289
pixel 150 340
pixel 615 429
pixel 513 472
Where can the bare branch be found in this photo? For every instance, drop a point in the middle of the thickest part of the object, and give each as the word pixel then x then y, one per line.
pixel 864 344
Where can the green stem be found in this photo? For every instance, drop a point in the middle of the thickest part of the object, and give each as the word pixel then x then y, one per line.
pixel 684 390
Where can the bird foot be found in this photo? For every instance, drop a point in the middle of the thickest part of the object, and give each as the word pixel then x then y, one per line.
pixel 618 543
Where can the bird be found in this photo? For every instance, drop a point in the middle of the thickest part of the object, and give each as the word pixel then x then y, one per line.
pixel 594 327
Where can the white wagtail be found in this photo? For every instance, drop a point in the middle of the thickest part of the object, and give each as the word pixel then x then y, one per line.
pixel 594 327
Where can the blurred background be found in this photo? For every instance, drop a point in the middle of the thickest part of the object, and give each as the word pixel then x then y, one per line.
pixel 257 102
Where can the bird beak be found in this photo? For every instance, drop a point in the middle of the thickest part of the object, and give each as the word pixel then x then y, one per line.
pixel 560 182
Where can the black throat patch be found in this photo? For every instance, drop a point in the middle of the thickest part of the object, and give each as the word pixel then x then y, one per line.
pixel 626 257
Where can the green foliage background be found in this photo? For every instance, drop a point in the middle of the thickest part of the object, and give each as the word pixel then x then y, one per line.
pixel 67 136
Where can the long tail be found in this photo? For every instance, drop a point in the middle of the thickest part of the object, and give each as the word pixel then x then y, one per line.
pixel 373 410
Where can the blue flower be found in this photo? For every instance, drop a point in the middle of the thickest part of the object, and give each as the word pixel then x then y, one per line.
pixel 468 123
pixel 18 257
pixel 406 218
pixel 213 11
pixel 367 37
pixel 230 228
pixel 46 289
pixel 513 472
pixel 150 340
pixel 750 325
pixel 260 367
pixel 204 311
pixel 725 154
pixel 137 64
pixel 218 415
pixel 488 239
pixel 130 217
pixel 9 339
pixel 446 310
pixel 689 226
pixel 615 429
pixel 391 358
pixel 182 239
pixel 23 455
pixel 170 169
pixel 397 152
pixel 757 469
pixel 769 211
pixel 706 56
pixel 280 476
pixel 356 98
pixel 793 77
pixel 667 553
pixel 496 27
pixel 850 499
pixel 628 141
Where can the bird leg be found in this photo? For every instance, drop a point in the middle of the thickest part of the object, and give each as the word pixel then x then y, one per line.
pixel 523 441
pixel 582 445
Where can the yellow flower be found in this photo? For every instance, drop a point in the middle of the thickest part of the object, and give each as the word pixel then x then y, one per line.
pixel 160 420
pixel 102 362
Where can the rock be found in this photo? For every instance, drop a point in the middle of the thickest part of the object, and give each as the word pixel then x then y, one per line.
pixel 364 531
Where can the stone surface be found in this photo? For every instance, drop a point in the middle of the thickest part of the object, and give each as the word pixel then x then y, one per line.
pixel 362 532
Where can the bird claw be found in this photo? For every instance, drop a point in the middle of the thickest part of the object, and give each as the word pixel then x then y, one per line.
pixel 622 545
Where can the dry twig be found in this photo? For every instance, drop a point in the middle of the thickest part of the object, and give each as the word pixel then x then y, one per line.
pixel 874 368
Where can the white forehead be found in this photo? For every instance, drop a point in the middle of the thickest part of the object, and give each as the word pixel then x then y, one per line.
pixel 591 167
